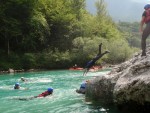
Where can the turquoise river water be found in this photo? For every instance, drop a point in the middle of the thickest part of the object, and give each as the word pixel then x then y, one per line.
pixel 64 99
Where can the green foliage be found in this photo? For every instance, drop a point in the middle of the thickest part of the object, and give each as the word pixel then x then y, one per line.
pixel 28 61
pixel 131 33
pixel 11 61
pixel 88 48
pixel 101 8
pixel 31 31
pixel 119 51
pixel 61 58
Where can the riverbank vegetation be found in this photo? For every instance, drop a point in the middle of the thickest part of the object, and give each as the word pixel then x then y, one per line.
pixel 56 34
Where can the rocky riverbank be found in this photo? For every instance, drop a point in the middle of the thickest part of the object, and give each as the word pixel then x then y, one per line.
pixel 10 70
pixel 127 85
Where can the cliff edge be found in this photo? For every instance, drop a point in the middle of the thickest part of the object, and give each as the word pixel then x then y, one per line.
pixel 127 85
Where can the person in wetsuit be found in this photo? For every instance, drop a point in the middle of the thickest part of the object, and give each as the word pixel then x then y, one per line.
pixel 23 79
pixel 92 62
pixel 17 86
pixel 82 87
pixel 46 93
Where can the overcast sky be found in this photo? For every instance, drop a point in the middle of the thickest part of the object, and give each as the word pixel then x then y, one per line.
pixel 141 1
pixel 121 9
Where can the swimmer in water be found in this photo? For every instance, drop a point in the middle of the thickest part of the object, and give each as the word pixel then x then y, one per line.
pixel 23 79
pixel 17 86
pixel 48 92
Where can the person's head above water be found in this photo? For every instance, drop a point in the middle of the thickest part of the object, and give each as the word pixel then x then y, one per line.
pixel 23 79
pixel 17 86
pixel 50 90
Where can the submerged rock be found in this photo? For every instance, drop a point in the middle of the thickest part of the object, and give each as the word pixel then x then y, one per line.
pixel 127 85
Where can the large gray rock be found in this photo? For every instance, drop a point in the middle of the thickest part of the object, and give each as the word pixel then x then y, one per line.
pixel 127 84
pixel 11 70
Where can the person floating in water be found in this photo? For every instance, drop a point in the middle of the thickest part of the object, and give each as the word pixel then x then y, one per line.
pixel 23 79
pixel 46 93
pixel 17 86
pixel 82 87
pixel 92 62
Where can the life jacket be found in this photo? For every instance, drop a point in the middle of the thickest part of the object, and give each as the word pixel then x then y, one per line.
pixel 147 18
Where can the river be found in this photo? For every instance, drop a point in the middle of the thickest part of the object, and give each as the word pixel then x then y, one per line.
pixel 64 98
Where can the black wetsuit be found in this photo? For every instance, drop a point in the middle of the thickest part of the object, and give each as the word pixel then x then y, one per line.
pixel 92 62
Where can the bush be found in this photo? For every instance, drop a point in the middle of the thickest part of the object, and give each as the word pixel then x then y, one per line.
pixel 53 59
pixel 90 48
pixel 28 61
pixel 10 61
pixel 119 51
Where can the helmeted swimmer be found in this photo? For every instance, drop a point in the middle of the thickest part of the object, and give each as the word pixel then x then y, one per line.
pixel 49 91
pixel 17 86
pixel 46 93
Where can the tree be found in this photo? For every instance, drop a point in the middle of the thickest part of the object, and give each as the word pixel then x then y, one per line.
pixel 101 8
pixel 78 6
pixel 119 51
pixel 13 22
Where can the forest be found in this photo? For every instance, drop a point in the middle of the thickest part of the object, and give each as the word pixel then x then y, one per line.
pixel 56 34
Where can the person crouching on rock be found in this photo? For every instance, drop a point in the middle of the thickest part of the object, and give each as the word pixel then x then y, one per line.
pixel 82 87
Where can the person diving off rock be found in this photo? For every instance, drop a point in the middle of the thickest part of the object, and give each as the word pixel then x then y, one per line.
pixel 92 62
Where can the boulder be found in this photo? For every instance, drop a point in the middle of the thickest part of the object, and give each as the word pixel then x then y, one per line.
pixel 11 70
pixel 127 85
